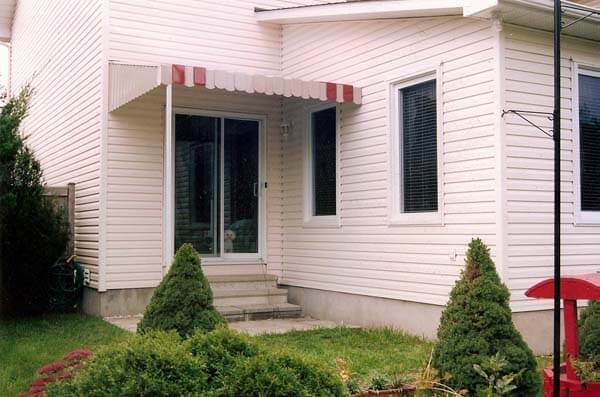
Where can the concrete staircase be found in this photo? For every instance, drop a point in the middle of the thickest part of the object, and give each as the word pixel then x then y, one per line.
pixel 251 297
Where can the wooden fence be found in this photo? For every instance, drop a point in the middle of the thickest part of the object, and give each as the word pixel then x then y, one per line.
pixel 64 197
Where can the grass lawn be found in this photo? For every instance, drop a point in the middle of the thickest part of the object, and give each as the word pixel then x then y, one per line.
pixel 26 344
pixel 366 352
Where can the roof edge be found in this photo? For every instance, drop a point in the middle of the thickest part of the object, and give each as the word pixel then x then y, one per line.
pixel 375 9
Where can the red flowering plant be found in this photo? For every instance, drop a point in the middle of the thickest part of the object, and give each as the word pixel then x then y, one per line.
pixel 57 371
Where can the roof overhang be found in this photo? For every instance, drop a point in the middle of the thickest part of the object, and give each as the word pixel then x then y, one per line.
pixel 375 9
pixel 7 10
pixel 537 14
pixel 128 82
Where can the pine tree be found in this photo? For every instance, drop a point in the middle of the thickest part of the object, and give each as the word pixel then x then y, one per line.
pixel 477 324
pixel 183 300
pixel 33 234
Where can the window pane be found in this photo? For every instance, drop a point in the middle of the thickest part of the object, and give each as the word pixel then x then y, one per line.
pixel 197 178
pixel 589 137
pixel 419 148
pixel 240 186
pixel 323 162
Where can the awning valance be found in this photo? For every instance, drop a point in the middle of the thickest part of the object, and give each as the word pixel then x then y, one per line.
pixel 128 82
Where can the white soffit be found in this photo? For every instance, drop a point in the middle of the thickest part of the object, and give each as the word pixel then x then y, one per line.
pixel 374 9
pixel 7 9
pixel 539 14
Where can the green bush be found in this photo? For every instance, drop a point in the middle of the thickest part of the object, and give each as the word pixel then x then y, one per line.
pixel 154 364
pixel 34 233
pixel 282 375
pixel 477 324
pixel 183 300
pixel 221 350
pixel 589 331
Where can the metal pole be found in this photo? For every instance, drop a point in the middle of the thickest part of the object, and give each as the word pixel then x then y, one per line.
pixel 556 128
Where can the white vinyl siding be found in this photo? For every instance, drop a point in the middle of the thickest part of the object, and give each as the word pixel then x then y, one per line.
pixel 210 33
pixel 57 46
pixel 135 183
pixel 365 254
pixel 530 161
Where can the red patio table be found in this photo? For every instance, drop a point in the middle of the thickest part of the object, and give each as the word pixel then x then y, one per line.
pixel 572 288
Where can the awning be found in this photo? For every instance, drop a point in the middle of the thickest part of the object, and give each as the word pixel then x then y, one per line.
pixel 128 82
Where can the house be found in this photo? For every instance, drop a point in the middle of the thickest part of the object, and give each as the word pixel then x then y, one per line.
pixel 348 150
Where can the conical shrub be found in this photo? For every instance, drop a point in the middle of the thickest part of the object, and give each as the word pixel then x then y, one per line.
pixel 477 324
pixel 589 332
pixel 183 301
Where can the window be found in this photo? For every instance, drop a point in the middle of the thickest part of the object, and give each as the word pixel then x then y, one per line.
pixel 418 110
pixel 589 141
pixel 322 165
pixel 415 162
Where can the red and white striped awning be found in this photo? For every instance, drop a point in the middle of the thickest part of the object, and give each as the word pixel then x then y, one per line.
pixel 128 82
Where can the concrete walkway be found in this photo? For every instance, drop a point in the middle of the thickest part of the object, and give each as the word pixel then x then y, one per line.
pixel 275 326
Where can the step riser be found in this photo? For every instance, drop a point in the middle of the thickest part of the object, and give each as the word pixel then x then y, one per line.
pixel 216 285
pixel 263 316
pixel 249 300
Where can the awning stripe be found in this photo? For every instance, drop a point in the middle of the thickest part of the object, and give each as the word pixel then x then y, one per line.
pixel 242 82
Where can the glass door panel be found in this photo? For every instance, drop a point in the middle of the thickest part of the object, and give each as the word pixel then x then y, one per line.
pixel 197 183
pixel 240 186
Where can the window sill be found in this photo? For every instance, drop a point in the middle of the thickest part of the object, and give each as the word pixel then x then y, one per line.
pixel 417 219
pixel 587 218
pixel 321 221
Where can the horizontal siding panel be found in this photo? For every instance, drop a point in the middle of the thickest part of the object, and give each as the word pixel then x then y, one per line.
pixel 530 164
pixel 58 48
pixel 365 255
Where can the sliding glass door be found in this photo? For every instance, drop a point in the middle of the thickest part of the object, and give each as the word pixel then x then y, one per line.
pixel 217 185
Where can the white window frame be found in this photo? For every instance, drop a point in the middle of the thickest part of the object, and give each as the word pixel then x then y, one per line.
pixel 311 220
pixel 396 215
pixel 582 218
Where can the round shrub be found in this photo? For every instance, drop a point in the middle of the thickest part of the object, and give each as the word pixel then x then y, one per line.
pixel 477 324
pixel 154 364
pixel 589 331
pixel 282 375
pixel 221 350
pixel 183 300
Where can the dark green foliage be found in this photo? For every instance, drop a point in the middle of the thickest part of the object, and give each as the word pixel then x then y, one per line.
pixel 155 364
pixel 477 324
pixel 221 363
pixel 283 375
pixel 183 300
pixel 221 350
pixel 589 331
pixel 33 234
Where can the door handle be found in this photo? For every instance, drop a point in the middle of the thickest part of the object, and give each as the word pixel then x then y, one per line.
pixel 255 189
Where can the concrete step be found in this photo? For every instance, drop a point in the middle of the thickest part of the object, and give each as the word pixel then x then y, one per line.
pixel 236 297
pixel 248 312
pixel 244 281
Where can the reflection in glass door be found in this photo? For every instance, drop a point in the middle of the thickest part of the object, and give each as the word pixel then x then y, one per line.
pixel 217 184
pixel 240 186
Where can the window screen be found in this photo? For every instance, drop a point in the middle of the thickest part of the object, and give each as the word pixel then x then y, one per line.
pixel 419 148
pixel 589 138
pixel 323 162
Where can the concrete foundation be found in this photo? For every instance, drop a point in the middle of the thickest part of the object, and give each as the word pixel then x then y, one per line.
pixel 116 302
pixel 412 317
pixel 367 311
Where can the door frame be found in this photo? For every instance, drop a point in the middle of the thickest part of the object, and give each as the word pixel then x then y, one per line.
pixel 224 258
